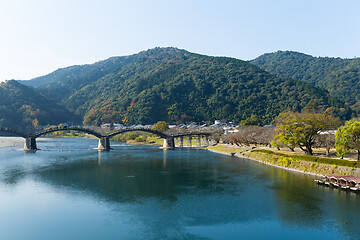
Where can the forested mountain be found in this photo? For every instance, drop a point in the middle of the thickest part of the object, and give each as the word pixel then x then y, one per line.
pixel 61 83
pixel 21 107
pixel 341 77
pixel 175 85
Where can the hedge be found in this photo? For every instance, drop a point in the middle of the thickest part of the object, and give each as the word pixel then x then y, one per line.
pixel 339 162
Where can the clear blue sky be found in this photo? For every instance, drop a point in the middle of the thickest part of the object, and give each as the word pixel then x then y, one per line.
pixel 39 36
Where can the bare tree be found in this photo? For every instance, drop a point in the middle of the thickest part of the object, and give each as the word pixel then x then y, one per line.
pixel 325 140
pixel 251 135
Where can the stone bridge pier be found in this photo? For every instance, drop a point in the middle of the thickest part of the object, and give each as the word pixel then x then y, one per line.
pixel 30 144
pixel 104 144
pixel 181 142
pixel 199 141
pixel 169 143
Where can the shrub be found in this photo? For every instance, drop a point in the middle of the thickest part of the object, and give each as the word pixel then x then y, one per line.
pixel 339 162
pixel 141 138
pixel 286 161
pixel 131 136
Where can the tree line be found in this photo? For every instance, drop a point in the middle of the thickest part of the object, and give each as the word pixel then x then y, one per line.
pixel 304 130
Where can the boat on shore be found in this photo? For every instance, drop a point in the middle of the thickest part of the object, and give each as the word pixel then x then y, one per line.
pixel 340 181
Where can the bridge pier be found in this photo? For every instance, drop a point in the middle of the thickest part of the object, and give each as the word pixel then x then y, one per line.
pixel 181 142
pixel 104 144
pixel 169 143
pixel 207 140
pixel 199 141
pixel 190 137
pixel 30 144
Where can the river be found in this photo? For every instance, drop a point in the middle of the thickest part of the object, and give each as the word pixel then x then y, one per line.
pixel 68 190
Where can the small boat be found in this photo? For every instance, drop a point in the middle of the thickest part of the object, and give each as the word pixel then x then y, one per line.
pixel 340 181
pixel 333 181
pixel 354 184
pixel 344 182
pixel 323 181
pixel 319 181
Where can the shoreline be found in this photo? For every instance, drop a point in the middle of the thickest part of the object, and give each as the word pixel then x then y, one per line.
pixel 287 162
pixel 266 163
pixel 16 141
pixel 11 141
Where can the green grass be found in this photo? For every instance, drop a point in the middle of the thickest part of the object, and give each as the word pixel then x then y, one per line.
pixel 338 162
pixel 222 149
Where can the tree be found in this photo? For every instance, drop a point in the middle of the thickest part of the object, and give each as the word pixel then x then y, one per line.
pixel 161 126
pixel 250 135
pixel 348 138
pixel 253 120
pixel 35 123
pixel 326 140
pixel 302 129
pixel 312 107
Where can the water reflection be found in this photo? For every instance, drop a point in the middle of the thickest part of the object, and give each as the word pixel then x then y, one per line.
pixel 164 159
pixel 123 177
pixel 187 193
pixel 297 196
pixel 99 157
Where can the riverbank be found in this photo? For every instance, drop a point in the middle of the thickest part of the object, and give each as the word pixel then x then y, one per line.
pixel 133 142
pixel 16 141
pixel 11 141
pixel 291 162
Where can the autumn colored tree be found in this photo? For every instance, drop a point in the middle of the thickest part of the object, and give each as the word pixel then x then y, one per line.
pixel 161 126
pixel 35 123
pixel 302 129
pixel 348 138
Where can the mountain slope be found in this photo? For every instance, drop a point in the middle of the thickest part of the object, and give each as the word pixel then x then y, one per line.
pixel 62 82
pixel 175 85
pixel 341 77
pixel 21 105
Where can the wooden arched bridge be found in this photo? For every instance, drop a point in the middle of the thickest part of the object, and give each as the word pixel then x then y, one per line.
pixel 104 140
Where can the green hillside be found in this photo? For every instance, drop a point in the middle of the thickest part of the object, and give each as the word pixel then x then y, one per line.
pixel 21 105
pixel 341 77
pixel 61 83
pixel 175 85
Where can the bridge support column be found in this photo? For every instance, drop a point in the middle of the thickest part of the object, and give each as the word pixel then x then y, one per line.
pixel 181 142
pixel 169 143
pixel 190 137
pixel 30 144
pixel 207 140
pixel 199 141
pixel 104 144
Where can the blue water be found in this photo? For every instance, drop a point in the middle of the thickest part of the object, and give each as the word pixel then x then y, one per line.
pixel 68 190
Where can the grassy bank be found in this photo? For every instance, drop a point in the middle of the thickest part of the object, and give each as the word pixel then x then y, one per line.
pixel 299 163
pixel 129 138
pixel 149 141
pixel 138 139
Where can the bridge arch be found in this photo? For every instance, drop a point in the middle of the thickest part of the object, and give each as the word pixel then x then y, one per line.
pixel 160 134
pixel 56 129
pixel 13 131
